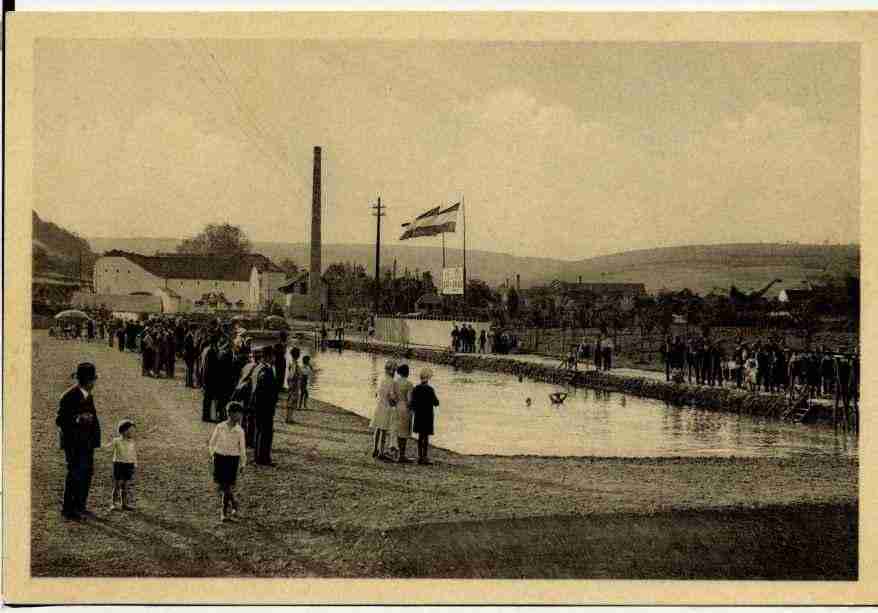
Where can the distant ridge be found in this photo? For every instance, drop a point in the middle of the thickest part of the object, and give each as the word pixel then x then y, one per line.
pixel 701 268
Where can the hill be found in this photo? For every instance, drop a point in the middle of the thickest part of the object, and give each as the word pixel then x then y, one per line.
pixel 706 268
pixel 57 250
pixel 699 267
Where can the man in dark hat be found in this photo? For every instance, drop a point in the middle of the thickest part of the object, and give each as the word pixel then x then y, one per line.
pixel 244 394
pixel 80 436
pixel 210 379
pixel 264 404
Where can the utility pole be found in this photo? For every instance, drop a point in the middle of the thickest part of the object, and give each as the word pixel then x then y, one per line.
pixel 378 214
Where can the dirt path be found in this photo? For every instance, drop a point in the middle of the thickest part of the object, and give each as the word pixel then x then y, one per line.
pixel 328 509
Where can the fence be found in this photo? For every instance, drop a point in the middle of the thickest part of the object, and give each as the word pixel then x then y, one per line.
pixel 632 342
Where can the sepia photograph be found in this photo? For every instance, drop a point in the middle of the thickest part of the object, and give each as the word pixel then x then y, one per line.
pixel 365 307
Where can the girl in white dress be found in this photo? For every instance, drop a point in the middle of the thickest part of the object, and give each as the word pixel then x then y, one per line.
pixel 385 414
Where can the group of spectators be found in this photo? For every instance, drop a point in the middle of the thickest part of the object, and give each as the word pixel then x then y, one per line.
pixel 89 329
pixel 762 366
pixel 226 366
pixel 464 339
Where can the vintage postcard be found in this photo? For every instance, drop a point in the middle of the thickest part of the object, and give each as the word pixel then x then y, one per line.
pixel 450 308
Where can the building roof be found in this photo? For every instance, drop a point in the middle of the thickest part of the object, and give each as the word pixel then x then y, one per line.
pixel 51 278
pixel 118 303
pixel 199 266
pixel 290 286
pixel 600 288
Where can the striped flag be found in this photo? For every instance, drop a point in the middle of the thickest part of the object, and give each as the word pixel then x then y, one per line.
pixel 433 222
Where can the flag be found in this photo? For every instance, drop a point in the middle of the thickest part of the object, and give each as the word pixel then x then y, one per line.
pixel 433 222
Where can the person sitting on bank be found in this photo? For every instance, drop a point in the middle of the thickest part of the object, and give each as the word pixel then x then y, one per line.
pixel 558 397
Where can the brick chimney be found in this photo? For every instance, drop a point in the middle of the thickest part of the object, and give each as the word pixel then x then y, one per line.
pixel 316 270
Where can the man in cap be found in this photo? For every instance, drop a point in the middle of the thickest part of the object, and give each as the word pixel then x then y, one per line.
pixel 80 436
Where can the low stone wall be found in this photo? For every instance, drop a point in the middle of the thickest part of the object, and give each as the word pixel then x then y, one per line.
pixel 708 398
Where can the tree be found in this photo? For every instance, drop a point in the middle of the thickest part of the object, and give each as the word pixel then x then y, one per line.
pixel 479 294
pixel 349 285
pixel 512 303
pixel 224 239
pixel 806 319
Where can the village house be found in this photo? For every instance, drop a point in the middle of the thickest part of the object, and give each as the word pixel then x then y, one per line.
pixel 564 295
pixel 429 303
pixel 297 300
pixel 188 282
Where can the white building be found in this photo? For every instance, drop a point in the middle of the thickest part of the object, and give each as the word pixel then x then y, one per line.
pixel 184 281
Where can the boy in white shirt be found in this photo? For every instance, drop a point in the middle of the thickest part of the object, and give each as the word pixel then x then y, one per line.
pixel 124 463
pixel 229 454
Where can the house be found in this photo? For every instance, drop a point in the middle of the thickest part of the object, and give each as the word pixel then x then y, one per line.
pixel 297 299
pixel 124 306
pixel 246 282
pixel 567 296
pixel 429 303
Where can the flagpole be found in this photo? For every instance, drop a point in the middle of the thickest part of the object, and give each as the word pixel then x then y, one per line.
pixel 463 206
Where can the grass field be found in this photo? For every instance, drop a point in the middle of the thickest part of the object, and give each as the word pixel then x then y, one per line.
pixel 329 510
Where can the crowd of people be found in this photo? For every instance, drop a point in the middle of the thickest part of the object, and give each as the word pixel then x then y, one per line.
pixel 601 352
pixel 465 339
pixel 242 380
pixel 768 366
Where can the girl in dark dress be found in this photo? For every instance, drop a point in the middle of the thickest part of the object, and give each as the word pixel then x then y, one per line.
pixel 423 401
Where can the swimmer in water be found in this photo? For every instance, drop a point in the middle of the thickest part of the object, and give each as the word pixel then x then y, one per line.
pixel 558 397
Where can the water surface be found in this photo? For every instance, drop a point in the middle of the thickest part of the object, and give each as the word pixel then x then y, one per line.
pixel 486 413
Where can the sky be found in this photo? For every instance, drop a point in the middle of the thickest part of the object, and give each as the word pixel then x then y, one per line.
pixel 565 150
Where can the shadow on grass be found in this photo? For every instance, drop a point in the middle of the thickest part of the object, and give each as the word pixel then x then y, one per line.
pixel 808 542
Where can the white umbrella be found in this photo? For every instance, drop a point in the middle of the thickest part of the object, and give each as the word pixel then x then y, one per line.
pixel 72 314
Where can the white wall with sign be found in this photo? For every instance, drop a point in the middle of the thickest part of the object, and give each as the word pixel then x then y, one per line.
pixel 452 281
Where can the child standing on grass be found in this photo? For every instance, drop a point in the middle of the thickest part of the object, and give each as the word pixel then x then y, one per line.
pixel 305 374
pixel 124 463
pixel 294 377
pixel 229 454
pixel 423 403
